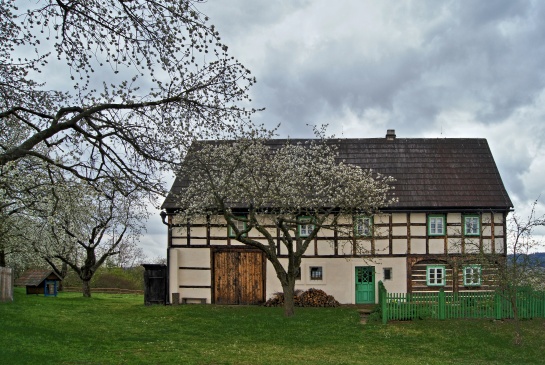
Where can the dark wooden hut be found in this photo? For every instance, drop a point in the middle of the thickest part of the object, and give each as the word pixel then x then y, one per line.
pixel 44 282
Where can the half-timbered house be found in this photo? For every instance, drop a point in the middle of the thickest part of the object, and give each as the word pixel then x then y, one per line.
pixel 451 202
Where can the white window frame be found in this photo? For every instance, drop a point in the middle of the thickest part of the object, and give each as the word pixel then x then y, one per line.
pixel 432 272
pixel 363 226
pixel 474 225
pixel 470 273
pixel 310 271
pixel 307 227
pixel 433 225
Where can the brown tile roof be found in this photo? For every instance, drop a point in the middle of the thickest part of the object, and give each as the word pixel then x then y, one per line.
pixel 446 173
pixel 35 277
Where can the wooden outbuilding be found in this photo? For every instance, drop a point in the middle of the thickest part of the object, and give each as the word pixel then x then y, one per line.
pixel 44 282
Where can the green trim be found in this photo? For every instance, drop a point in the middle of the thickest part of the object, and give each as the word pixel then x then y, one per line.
pixel 478 224
pixel 428 268
pixel 479 272
pixel 231 232
pixel 443 224
pixel 310 221
pixel 370 225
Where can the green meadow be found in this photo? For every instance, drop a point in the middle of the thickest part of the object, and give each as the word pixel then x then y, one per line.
pixel 119 329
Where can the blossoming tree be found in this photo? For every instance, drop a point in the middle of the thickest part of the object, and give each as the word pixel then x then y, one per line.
pixel 87 227
pixel 107 90
pixel 102 89
pixel 255 185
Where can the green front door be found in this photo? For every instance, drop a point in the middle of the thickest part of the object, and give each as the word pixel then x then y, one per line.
pixel 365 284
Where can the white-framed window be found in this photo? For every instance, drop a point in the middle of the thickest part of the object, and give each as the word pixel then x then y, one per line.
pixel 472 275
pixel 436 225
pixel 316 273
pixel 240 223
pixel 435 275
pixel 472 226
pixel 363 226
pixel 387 273
pixel 306 226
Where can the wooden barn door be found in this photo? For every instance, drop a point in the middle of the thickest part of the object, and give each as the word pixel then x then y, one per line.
pixel 239 277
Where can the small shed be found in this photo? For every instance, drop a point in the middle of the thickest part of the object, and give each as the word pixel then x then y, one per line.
pixel 155 284
pixel 44 282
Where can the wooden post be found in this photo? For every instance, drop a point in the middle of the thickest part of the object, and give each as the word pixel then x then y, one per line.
pixel 497 302
pixel 175 299
pixel 382 301
pixel 6 285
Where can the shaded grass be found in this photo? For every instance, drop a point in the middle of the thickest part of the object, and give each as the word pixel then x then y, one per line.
pixel 119 329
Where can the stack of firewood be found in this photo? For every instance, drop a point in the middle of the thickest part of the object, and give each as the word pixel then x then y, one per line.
pixel 317 298
pixel 310 298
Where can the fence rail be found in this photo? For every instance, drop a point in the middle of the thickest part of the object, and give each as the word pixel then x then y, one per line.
pixel 6 285
pixel 441 305
pixel 75 289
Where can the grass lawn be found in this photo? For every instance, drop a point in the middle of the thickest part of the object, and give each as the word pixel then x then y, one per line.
pixel 119 329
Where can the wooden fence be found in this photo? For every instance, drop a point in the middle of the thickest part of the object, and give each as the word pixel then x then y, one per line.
pixel 6 284
pixel 441 305
pixel 75 289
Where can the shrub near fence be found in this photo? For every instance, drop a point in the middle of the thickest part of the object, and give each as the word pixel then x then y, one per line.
pixel 6 285
pixel 441 305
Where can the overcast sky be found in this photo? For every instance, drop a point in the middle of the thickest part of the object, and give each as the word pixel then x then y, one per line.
pixel 432 69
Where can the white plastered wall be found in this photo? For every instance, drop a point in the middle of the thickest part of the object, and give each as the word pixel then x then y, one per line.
pixel 190 258
pixel 339 277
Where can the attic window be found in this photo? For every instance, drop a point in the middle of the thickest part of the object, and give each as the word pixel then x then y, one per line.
pixel 436 225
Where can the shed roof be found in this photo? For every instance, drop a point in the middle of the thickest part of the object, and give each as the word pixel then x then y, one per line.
pixel 35 277
pixel 431 173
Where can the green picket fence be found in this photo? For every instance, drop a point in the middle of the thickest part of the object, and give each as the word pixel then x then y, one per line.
pixel 441 305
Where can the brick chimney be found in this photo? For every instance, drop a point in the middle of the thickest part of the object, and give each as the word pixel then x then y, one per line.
pixel 391 134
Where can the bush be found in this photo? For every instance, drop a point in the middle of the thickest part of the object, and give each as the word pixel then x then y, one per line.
pixel 114 277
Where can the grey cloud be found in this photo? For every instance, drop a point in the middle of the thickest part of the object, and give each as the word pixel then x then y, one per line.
pixel 419 61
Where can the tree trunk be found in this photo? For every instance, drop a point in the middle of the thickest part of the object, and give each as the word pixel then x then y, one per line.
pixel 289 303
pixel 517 340
pixel 63 273
pixel 2 258
pixel 87 288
